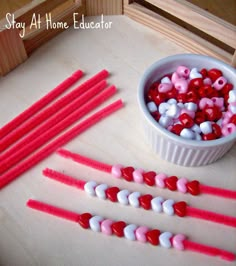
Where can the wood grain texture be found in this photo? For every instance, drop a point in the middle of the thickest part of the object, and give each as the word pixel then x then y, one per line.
pixel 174 32
pixel 105 7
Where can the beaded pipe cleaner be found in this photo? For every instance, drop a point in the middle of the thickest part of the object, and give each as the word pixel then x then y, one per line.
pixel 150 178
pixel 41 103
pixel 130 231
pixel 57 123
pixel 45 151
pixel 13 136
pixel 135 199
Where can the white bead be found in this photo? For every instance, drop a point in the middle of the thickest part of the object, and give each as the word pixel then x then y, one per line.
pixel 232 96
pixel 129 232
pixel 94 223
pixel 164 239
pixel 173 111
pixel 156 204
pixel 165 121
pixel 232 107
pixel 152 107
pixel 198 136
pixel 219 122
pixel 172 101
pixel 187 133
pixel 181 105
pixel 166 80
pixel 168 207
pixel 191 106
pixel 163 107
pixel 196 128
pixel 122 196
pixel 206 127
pixel 89 188
pixel 194 74
pixel 101 191
pixel 134 199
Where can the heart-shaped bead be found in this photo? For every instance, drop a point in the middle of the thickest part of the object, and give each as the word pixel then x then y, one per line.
pixel 168 207
pixel 164 239
pixel 194 74
pixel 181 85
pixel 122 196
pixel 127 173
pixel 95 223
pixel 156 204
pixel 129 232
pixel 84 220
pixel 171 182
pixel 181 185
pixel 173 111
pixel 160 180
pixel 106 227
pixel 177 241
pixel 140 233
pixel 153 237
pixel 100 191
pixel 180 208
pixel 89 188
pixel 118 228
pixel 138 175
pixel 134 199
pixel 145 201
pixel 165 87
pixel 149 178
pixel 232 96
pixel 193 187
pixel 183 71
pixel 116 170
pixel 163 107
pixel 214 74
pixel 165 80
pixel 112 193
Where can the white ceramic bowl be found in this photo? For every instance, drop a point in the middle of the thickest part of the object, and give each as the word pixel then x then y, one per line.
pixel 169 146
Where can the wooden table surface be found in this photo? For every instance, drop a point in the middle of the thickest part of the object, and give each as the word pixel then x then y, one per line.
pixel 28 237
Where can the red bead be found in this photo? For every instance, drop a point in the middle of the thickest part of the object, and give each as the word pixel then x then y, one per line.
pixel 180 208
pixel 217 130
pixel 151 95
pixel 127 173
pixel 193 187
pixel 153 237
pixel 212 113
pixel 209 136
pixel 84 220
pixel 159 98
pixel 176 129
pixel 171 94
pixel 233 119
pixel 186 120
pixel 154 86
pixel 204 73
pixel 205 91
pixel 111 193
pixel 199 117
pixel 156 115
pixel 145 201
pixel 149 178
pixel 181 98
pixel 214 74
pixel 118 228
pixel 192 96
pixel 171 182
pixel 196 83
pixel 226 89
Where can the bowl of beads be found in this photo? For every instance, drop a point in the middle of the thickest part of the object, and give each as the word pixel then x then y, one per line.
pixel 188 105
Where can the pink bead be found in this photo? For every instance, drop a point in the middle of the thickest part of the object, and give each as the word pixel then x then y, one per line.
pixel 140 233
pixel 106 227
pixel 165 87
pixel 186 111
pixel 218 101
pixel 228 129
pixel 178 241
pixel 160 180
pixel 174 77
pixel 219 83
pixel 181 85
pixel 205 102
pixel 183 71
pixel 207 81
pixel 181 185
pixel 138 176
pixel 116 170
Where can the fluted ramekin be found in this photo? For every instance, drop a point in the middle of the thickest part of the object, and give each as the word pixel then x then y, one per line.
pixel 169 146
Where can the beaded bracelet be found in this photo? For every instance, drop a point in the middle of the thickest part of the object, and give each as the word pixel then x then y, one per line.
pixel 131 231
pixel 150 178
pixel 136 199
